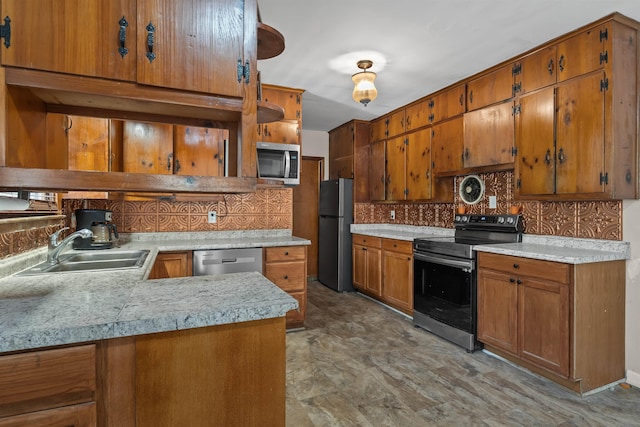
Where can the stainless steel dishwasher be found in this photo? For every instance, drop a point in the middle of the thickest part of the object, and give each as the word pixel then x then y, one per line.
pixel 220 261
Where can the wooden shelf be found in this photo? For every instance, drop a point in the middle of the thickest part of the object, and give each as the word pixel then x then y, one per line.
pixel 125 99
pixel 270 42
pixel 66 180
pixel 269 112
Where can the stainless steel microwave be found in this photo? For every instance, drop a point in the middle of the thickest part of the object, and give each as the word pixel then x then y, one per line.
pixel 279 161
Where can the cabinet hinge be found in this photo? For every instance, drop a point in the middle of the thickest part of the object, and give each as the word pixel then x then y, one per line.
pixel 604 57
pixel 431 117
pixel 406 192
pixel 516 109
pixel 298 100
pixel 604 34
pixel 518 183
pixel 604 84
pixel 516 69
pixel 514 151
pixel 604 178
pixel 516 88
pixel 5 31
pixel 406 141
pixel 244 71
pixel 431 103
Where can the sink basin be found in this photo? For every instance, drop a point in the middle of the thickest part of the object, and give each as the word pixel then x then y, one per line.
pixel 91 261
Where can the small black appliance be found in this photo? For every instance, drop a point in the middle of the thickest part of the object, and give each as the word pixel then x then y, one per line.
pixel 100 223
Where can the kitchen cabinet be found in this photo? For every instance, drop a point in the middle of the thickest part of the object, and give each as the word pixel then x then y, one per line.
pixel 379 129
pixel 40 387
pixel 489 136
pixel 396 165
pixel 493 87
pixel 447 104
pixel 377 170
pixel 78 143
pixel 289 129
pixel 584 52
pixel 447 146
pixel 172 264
pixel 573 140
pixel 408 160
pixel 536 70
pixel 396 124
pixel 160 148
pixel 286 266
pixel 367 264
pixel 397 273
pixel 416 115
pixel 349 156
pixel 563 321
pixel 53 35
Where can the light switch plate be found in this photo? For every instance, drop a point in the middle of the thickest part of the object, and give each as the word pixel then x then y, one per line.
pixel 492 202
pixel 212 218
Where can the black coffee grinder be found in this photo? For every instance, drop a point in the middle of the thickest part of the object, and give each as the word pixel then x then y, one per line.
pixel 99 222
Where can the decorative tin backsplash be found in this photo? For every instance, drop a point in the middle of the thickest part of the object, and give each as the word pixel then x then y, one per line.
pixel 264 209
pixel 585 219
pixel 25 240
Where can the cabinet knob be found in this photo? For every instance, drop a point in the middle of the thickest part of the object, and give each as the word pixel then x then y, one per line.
pixel 286 277
pixel 519 282
pixel 516 265
pixel 287 253
pixel 512 280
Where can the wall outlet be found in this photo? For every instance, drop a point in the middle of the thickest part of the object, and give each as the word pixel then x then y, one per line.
pixel 212 218
pixel 492 202
pixel 393 214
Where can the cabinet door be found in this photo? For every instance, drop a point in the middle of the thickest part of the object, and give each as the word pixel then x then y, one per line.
pixel 417 116
pixel 341 168
pixel 536 71
pixel 447 104
pixel 491 88
pixel 289 99
pixel 77 143
pixel 373 284
pixel 379 129
pixel 543 317
pixel 341 150
pixel 397 283
pixel 359 267
pixel 199 151
pixel 147 147
pixel 172 264
pixel 83 415
pixel 418 165
pixel 535 159
pixel 377 171
pixel 396 148
pixel 580 54
pixel 396 124
pixel 580 136
pixel 361 164
pixel 72 36
pixel 447 146
pixel 283 132
pixel 194 45
pixel 497 310
pixel 489 136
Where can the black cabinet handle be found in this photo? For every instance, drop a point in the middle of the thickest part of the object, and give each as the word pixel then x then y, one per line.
pixel 177 165
pixel 519 282
pixel 286 277
pixel 512 280
pixel 471 97
pixel 547 158
pixel 151 30
pixel 561 63
pixel 122 37
pixel 516 265
pixel 169 161
pixel 286 253
pixel 561 157
pixel 550 67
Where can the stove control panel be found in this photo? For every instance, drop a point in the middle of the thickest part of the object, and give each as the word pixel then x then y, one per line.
pixel 488 221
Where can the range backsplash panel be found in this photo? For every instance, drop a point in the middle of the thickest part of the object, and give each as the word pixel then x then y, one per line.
pixel 584 219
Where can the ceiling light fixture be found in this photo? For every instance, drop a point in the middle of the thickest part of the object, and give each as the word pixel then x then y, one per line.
pixel 364 91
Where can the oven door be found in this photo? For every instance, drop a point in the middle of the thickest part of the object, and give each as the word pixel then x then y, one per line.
pixel 445 290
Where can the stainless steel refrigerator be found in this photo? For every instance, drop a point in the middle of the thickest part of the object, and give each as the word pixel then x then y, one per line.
pixel 334 241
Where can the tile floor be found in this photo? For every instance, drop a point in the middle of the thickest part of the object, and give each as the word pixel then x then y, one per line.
pixel 358 363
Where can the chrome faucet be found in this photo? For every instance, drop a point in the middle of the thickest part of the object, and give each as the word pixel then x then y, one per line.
pixel 56 247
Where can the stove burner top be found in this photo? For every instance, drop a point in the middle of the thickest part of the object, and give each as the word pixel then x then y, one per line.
pixel 473 230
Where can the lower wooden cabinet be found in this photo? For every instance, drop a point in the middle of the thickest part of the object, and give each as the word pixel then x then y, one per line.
pixel 383 269
pixel 172 264
pixel 562 321
pixel 286 266
pixel 49 387
pixel 367 264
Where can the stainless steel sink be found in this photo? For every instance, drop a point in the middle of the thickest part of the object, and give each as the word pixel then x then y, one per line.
pixel 91 261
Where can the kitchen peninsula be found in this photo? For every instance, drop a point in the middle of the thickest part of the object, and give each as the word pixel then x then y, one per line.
pixel 115 349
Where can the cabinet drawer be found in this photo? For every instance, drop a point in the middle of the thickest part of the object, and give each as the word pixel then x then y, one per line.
pixel 289 276
pixel 362 240
pixel 401 246
pixel 47 379
pixel 547 270
pixel 284 253
pixel 83 415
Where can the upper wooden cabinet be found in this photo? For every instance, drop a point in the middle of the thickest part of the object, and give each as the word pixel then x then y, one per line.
pixel 408 162
pixel 447 104
pixel 537 70
pixel 489 136
pixel 417 115
pixel 490 88
pixel 349 156
pixel 583 53
pixel 289 129
pixel 90 38
pixel 447 146
pixel 379 129
pixel 396 123
pixel 377 171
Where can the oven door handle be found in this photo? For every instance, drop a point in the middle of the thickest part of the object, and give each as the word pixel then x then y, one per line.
pixel 466 265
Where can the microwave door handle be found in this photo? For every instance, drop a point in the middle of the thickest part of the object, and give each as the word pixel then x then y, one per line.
pixel 287 164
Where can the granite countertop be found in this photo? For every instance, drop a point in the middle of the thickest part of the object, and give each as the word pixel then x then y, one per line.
pixel 63 308
pixel 549 248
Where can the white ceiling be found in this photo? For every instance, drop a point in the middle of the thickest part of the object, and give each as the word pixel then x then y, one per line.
pixel 427 45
